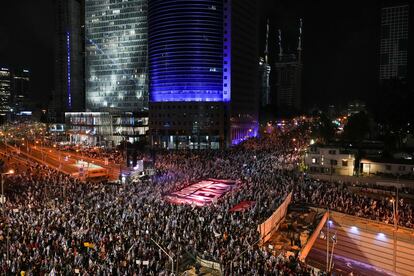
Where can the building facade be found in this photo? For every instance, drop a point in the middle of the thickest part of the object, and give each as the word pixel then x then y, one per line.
pixel 106 128
pixel 116 74
pixel 329 160
pixel 116 55
pixel 14 92
pixel 394 42
pixel 21 91
pixel 288 75
pixel 203 72
pixel 5 91
pixel 390 167
pixel 68 93
pixel 288 85
pixel 264 81
pixel 264 73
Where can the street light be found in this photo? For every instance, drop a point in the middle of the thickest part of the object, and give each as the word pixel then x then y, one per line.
pixel 394 212
pixel 168 255
pixel 394 203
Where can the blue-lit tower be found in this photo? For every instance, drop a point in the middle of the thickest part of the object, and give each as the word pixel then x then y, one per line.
pixel 193 63
pixel 68 92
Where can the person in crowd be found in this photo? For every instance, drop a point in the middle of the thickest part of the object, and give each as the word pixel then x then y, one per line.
pixel 55 224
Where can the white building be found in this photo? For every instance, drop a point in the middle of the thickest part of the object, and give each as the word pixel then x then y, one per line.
pixel 383 166
pixel 329 159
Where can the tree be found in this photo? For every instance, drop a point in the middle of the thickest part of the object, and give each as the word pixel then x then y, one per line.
pixel 358 127
pixel 324 128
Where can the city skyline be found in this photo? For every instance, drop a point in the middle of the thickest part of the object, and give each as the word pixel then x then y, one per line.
pixel 206 137
pixel 341 47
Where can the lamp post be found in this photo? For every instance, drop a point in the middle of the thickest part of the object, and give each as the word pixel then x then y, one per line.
pixel 41 150
pixel 235 258
pixel 169 256
pixel 394 203
pixel 327 243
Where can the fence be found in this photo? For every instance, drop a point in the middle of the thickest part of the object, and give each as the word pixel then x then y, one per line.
pixel 267 228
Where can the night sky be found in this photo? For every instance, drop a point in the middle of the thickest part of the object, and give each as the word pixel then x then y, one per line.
pixel 340 44
pixel 26 32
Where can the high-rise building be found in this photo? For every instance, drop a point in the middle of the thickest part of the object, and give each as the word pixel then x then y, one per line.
pixel 265 110
pixel 116 74
pixel 288 69
pixel 116 55
pixel 5 90
pixel 203 72
pixel 395 72
pixel 68 91
pixel 394 42
pixel 264 73
pixel 21 90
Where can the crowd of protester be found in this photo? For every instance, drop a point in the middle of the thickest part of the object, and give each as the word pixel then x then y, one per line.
pixel 54 224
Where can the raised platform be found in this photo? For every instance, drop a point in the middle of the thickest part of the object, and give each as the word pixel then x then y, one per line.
pixel 89 170
pixel 201 193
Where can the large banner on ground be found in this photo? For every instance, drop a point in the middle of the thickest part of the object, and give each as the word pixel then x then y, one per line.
pixel 267 228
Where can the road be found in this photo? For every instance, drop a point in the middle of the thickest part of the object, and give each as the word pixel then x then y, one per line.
pixel 343 266
pixel 64 161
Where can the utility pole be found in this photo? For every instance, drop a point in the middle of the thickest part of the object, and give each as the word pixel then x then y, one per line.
pixel 394 235
pixel 333 247
pixel 327 243
pixel 165 252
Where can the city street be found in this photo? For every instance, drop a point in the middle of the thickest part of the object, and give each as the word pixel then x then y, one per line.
pixel 68 163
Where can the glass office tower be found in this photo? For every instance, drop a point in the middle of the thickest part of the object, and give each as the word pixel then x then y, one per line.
pixel 116 55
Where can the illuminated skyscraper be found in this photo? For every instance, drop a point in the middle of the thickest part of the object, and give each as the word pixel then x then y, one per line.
pixel 68 93
pixel 203 72
pixel 394 42
pixel 5 91
pixel 21 90
pixel 116 55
